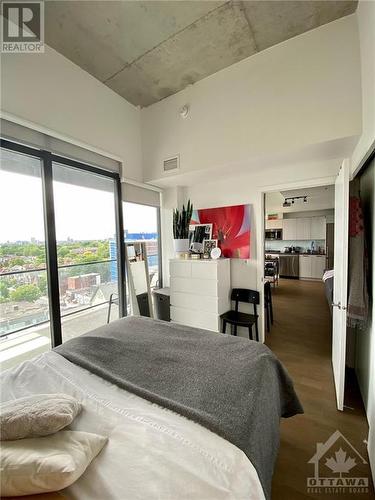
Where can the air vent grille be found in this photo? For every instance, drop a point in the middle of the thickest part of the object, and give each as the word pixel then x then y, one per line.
pixel 171 163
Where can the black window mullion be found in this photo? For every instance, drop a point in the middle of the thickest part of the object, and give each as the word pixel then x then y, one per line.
pixel 120 245
pixel 51 249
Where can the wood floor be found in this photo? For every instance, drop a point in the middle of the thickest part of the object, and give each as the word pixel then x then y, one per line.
pixel 301 338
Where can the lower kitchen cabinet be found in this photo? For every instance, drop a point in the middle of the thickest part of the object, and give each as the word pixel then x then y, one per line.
pixel 305 266
pixel 312 266
pixel 318 266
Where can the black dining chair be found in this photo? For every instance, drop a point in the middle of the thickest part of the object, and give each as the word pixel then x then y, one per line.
pixel 237 318
pixel 268 304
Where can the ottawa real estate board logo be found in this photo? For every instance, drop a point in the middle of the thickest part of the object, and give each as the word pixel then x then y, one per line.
pixel 22 29
pixel 336 463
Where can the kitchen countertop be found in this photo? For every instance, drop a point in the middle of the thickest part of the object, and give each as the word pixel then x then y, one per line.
pixel 272 252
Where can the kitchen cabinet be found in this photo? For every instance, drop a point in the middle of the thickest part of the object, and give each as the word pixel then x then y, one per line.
pixel 305 266
pixel 274 224
pixel 303 228
pixel 312 266
pixel 318 265
pixel 289 229
pixel 318 228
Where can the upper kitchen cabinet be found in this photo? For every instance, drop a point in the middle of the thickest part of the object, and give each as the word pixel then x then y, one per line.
pixel 274 224
pixel 318 228
pixel 290 229
pixel 303 228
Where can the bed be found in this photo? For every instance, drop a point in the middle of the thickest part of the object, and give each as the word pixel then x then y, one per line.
pixel 189 413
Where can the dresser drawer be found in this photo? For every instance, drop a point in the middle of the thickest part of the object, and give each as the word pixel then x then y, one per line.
pixel 197 319
pixel 217 305
pixel 206 270
pixel 194 286
pixel 180 269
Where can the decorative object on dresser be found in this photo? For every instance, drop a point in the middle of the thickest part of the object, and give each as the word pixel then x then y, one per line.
pixel 181 223
pixel 198 235
pixel 200 292
pixel 208 245
pixel 215 253
pixel 231 227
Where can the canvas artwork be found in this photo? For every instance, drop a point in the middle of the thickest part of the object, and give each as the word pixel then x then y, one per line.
pixel 230 226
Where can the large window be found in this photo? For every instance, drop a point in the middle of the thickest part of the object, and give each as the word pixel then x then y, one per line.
pixel 59 221
pixel 85 228
pixel 24 302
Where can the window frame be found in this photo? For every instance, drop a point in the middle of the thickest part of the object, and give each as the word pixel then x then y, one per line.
pixel 47 158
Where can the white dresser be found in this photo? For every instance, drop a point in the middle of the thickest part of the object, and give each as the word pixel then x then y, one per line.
pixel 200 292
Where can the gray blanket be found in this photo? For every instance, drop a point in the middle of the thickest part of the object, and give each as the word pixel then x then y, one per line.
pixel 235 387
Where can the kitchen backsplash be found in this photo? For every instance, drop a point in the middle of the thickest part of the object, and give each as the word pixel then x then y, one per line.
pixel 303 244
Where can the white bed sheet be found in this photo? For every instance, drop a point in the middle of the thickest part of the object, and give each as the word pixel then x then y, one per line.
pixel 152 453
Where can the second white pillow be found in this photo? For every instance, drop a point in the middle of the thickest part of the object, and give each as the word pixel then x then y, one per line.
pixel 45 464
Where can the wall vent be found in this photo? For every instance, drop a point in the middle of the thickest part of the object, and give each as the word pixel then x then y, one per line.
pixel 172 163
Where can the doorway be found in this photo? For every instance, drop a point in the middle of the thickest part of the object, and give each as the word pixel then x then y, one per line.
pixel 301 333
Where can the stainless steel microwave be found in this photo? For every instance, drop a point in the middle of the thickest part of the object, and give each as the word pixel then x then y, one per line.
pixel 274 234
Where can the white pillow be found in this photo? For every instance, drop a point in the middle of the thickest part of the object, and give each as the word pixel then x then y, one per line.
pixel 45 464
pixel 37 415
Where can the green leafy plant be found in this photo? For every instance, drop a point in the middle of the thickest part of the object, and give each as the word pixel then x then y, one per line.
pixel 181 221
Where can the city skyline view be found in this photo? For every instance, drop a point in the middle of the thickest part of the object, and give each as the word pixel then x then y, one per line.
pixel 89 214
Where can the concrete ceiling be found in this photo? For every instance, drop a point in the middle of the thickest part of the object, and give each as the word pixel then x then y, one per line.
pixel 148 50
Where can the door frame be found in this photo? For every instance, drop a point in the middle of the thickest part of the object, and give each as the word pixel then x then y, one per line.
pixel 260 228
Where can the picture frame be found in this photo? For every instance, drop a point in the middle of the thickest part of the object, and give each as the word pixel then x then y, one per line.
pixel 198 234
pixel 208 245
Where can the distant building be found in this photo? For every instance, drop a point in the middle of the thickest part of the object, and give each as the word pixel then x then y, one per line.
pixel 83 281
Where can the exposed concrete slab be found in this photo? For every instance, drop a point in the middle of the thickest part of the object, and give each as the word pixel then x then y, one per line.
pixel 274 22
pixel 214 42
pixel 102 36
pixel 148 50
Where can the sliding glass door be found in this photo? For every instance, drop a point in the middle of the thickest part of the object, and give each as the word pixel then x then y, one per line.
pixel 85 229
pixel 62 266
pixel 24 301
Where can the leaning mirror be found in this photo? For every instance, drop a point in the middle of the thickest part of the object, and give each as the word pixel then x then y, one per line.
pixel 138 279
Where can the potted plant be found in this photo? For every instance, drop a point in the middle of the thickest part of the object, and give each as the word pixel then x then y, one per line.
pixel 181 222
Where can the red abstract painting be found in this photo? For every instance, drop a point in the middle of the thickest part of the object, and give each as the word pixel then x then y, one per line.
pixel 230 226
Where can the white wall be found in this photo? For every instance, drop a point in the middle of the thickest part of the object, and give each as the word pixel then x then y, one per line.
pixel 246 189
pixel 365 16
pixel 303 92
pixel 51 92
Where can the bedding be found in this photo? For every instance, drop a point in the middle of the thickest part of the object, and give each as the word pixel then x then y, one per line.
pixel 186 411
pixel 232 386
pixel 37 415
pixel 46 464
pixel 151 451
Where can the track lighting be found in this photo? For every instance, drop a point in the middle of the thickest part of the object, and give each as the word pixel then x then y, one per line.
pixel 290 201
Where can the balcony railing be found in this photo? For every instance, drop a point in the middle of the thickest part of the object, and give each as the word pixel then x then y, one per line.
pixel 81 290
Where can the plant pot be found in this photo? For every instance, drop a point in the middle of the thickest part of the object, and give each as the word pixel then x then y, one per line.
pixel 181 246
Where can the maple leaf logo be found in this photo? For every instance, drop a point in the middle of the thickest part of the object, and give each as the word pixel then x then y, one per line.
pixel 340 464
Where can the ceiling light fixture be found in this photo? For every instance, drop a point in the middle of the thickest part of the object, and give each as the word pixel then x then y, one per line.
pixel 290 201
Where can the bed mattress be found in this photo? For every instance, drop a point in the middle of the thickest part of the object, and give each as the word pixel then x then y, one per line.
pixel 152 452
